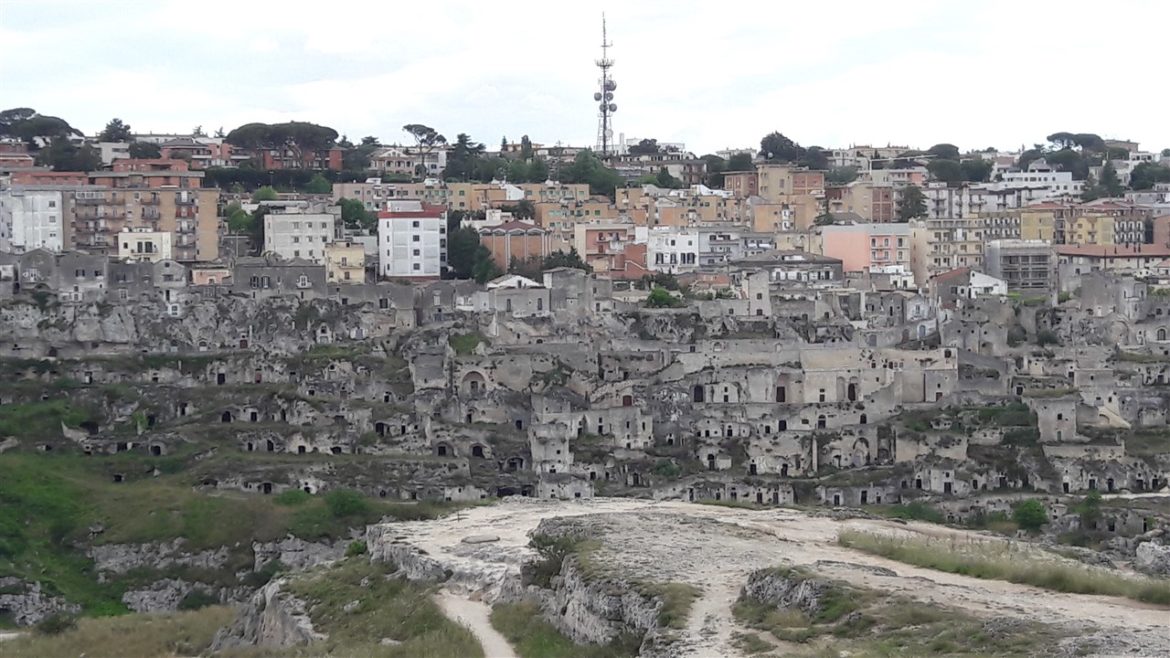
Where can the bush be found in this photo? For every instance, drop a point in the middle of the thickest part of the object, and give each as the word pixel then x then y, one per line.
pixel 1047 337
pixel 660 297
pixel 197 599
pixel 55 624
pixel 1030 515
pixel 355 548
pixel 292 497
pixel 343 503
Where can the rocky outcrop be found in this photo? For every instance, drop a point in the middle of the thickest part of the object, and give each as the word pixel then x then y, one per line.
pixel 1152 558
pixel 26 603
pixel 412 563
pixel 273 618
pixel 161 596
pixel 296 554
pixel 120 558
pixel 786 589
pixel 596 610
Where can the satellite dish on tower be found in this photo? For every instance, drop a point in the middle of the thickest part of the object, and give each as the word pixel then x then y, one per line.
pixel 610 85
pixel 613 107
pixel 609 133
pixel 597 96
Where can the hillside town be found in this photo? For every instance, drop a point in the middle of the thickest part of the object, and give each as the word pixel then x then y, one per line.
pixel 275 311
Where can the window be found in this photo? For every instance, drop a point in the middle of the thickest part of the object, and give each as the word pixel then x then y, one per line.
pixel 415 238
pixel 417 252
pixel 416 267
pixel 414 224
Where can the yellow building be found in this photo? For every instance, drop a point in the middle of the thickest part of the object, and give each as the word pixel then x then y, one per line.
pixel 1037 224
pixel 1091 229
pixel 345 262
pixel 189 215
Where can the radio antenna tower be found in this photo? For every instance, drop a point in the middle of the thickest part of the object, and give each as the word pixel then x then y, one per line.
pixel 604 97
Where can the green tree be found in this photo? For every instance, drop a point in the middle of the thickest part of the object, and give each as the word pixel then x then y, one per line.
pixel 463 159
pixel 775 147
pixel 145 150
pixel 1071 160
pixel 660 297
pixel 300 137
pixel 318 184
pixel 841 175
pixel 525 148
pixel 428 140
pixel 944 152
pixel 462 246
pixel 524 209
pixel 238 220
pixel 484 268
pixel 354 215
pixel 1145 175
pixel 565 259
pixel 644 147
pixel 947 171
pixel 814 157
pixel 976 170
pixel 715 166
pixel 740 162
pixel 911 204
pixel 1089 510
pixel 588 168
pixel 664 179
pixel 266 193
pixel 1030 515
pixel 62 155
pixel 115 131
pixel 1110 181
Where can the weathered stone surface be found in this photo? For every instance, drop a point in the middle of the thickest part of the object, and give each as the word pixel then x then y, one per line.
pixel 120 558
pixel 596 610
pixel 481 539
pixel 273 618
pixel 412 564
pixel 1153 558
pixel 786 590
pixel 26 603
pixel 160 596
pixel 295 553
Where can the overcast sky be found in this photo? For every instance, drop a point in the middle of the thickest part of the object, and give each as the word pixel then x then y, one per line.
pixel 710 74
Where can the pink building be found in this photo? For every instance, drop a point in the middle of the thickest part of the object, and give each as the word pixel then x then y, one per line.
pixel 862 246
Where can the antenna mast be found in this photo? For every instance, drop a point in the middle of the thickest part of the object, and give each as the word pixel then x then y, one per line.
pixel 604 97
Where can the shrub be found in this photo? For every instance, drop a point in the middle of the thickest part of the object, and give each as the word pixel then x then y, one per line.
pixel 344 503
pixel 355 548
pixel 55 624
pixel 667 469
pixel 660 297
pixel 1030 515
pixel 292 497
pixel 197 599
pixel 1047 337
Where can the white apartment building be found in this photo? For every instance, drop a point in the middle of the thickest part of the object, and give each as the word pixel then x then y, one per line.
pixel 110 151
pixel 672 249
pixel 141 245
pixel 30 219
pixel 1058 183
pixel 412 240
pixel 292 234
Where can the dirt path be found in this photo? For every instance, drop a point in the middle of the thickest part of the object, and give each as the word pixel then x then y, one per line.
pixel 475 616
pixel 715 549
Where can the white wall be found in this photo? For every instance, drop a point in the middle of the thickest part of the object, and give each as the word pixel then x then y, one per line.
pixel 298 235
pixel 31 219
pixel 412 246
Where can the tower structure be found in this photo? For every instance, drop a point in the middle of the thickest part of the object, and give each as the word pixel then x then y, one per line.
pixel 604 97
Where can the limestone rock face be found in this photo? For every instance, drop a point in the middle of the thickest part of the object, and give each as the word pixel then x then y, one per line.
pixel 160 596
pixel 412 564
pixel 273 618
pixel 297 554
pixel 783 590
pixel 26 604
pixel 120 558
pixel 589 610
pixel 1153 559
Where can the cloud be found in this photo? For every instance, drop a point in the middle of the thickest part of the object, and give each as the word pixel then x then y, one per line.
pixel 913 71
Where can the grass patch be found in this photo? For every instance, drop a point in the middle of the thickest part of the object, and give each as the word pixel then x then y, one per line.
pixel 41 419
pixel 385 608
pixel 465 344
pixel 182 634
pixel 677 599
pixel 858 621
pixel 915 511
pixel 49 503
pixel 1001 562
pixel 751 643
pixel 533 637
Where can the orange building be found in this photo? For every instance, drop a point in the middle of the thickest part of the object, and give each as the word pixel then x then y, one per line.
pixel 515 239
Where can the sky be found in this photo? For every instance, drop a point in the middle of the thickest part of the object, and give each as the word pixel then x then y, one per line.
pixel 991 73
